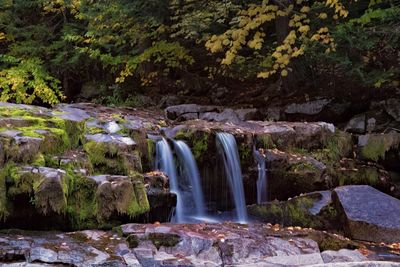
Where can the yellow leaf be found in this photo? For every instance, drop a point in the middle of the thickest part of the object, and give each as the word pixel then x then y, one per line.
pixel 323 16
pixel 284 73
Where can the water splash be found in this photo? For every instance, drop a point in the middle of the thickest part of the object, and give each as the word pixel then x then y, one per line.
pixel 228 148
pixel 165 163
pixel 190 172
pixel 262 177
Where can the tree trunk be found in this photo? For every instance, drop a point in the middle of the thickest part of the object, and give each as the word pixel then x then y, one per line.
pixel 282 30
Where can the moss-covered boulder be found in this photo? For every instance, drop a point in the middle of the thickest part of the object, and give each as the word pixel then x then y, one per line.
pixel 80 201
pixel 297 173
pixel 376 147
pixel 120 195
pixel 313 210
pixel 112 154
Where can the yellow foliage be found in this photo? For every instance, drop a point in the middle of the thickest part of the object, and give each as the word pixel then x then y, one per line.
pixel 249 31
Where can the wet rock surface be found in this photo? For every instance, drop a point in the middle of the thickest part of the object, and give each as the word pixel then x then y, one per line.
pixel 224 244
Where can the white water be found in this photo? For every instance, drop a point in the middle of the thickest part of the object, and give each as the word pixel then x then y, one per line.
pixel 262 177
pixel 228 148
pixel 194 197
pixel 165 163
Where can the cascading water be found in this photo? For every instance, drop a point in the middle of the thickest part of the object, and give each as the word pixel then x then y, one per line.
pixel 229 151
pixel 262 177
pixel 193 198
pixel 165 163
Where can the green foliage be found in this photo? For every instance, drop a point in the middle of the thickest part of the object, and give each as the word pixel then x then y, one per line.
pixel 28 80
pixel 49 49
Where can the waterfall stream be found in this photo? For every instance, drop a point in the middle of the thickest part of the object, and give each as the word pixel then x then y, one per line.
pixel 165 163
pixel 262 177
pixel 190 173
pixel 228 148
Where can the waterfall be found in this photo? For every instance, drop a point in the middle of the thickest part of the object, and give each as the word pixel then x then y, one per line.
pixel 190 173
pixel 228 149
pixel 262 177
pixel 165 163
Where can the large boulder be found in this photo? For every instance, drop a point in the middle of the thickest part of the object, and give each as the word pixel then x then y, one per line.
pixel 119 195
pixel 368 214
pixel 296 172
pixel 310 210
pixel 308 108
pixel 112 153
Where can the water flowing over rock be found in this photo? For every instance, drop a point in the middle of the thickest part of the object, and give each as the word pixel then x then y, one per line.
pixel 190 172
pixel 233 172
pixel 85 166
pixel 262 177
pixel 165 162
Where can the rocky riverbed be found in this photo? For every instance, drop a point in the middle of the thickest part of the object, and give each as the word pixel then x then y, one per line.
pixel 80 167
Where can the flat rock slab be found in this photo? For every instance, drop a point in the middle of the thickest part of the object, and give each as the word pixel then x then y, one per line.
pixel 368 213
pixel 222 244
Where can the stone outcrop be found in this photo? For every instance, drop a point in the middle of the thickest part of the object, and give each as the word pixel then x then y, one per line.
pixel 210 113
pixel 171 245
pixel 368 214
pixel 49 158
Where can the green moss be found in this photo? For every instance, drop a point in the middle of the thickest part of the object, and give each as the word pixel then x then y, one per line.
pixel 294 212
pixel 60 134
pixel 328 241
pixel 265 141
pixel 8 172
pixel 96 152
pixel 361 175
pixel 302 166
pixel 13 112
pixel 375 149
pixel 151 150
pixel 182 135
pixel 23 183
pixel 200 145
pixel 139 204
pixel 105 158
pixel 132 241
pixel 94 130
pixel 39 161
pixel 81 203
pixel 51 161
pixel 245 152
pixel 164 240
pixel 118 230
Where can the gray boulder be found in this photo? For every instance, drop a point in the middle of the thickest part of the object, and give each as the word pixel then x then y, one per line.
pixel 309 108
pixel 368 214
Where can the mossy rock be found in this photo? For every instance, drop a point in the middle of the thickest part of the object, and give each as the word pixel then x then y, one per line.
pixel 375 146
pixel 298 211
pixel 37 133
pixel 164 239
pixel 112 159
pixel 198 140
